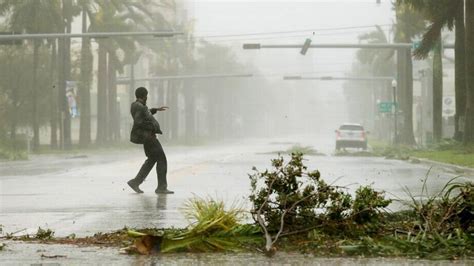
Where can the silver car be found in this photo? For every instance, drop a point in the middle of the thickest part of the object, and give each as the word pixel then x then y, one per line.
pixel 351 136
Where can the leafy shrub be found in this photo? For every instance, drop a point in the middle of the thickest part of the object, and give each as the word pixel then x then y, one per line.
pixel 290 196
pixel 367 205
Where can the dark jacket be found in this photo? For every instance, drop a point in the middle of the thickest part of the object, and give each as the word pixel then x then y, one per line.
pixel 144 124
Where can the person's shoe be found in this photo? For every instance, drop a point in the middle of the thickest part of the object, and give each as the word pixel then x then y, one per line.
pixel 163 191
pixel 134 186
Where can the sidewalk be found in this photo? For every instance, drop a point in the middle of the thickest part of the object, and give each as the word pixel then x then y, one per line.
pixel 452 168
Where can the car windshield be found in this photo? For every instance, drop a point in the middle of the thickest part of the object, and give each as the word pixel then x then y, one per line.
pixel 351 127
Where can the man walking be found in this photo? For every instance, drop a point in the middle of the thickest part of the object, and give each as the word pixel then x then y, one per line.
pixel 144 130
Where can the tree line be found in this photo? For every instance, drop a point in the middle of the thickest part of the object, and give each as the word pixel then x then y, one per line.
pixel 426 19
pixel 33 83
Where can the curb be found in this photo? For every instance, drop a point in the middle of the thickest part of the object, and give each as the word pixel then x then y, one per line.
pixel 456 169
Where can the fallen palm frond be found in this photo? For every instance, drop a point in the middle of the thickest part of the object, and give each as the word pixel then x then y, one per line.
pixel 212 228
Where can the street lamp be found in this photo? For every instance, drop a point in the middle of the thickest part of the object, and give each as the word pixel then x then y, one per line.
pixel 395 122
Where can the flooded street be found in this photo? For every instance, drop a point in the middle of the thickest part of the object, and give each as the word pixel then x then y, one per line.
pixel 30 254
pixel 94 93
pixel 88 194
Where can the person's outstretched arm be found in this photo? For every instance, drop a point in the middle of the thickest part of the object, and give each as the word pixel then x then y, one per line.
pixel 154 110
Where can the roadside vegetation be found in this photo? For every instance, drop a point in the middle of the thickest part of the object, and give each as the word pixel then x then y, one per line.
pixel 294 209
pixel 446 151
pixel 13 150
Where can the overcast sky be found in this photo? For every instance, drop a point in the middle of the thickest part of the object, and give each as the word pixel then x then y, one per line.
pixel 331 21
pixel 336 21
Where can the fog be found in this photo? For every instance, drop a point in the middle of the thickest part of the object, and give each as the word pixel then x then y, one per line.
pixel 232 119
pixel 215 89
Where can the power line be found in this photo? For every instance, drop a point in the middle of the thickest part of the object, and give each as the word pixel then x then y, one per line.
pixel 290 31
pixel 287 36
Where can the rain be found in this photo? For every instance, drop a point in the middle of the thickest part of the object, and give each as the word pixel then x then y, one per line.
pixel 229 132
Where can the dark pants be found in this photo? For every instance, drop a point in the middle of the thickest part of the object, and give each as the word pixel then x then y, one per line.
pixel 155 154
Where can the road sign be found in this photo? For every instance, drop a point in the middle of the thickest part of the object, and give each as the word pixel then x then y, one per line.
pixel 449 107
pixel 415 45
pixel 386 107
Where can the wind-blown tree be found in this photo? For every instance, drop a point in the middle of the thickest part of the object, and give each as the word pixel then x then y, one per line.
pixel 381 60
pixel 380 63
pixel 443 14
pixel 171 58
pixel 136 12
pixel 469 124
pixel 87 11
pixel 409 24
pixel 69 10
pixel 117 16
pixel 107 19
pixel 3 116
pixel 15 87
pixel 167 63
pixel 40 16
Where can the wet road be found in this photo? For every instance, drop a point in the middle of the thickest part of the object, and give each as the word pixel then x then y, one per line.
pixel 88 194
pixel 71 255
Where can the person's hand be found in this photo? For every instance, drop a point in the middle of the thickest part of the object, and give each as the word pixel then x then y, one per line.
pixel 154 110
pixel 162 108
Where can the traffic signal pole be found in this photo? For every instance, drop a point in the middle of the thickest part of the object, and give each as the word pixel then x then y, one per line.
pixel 405 80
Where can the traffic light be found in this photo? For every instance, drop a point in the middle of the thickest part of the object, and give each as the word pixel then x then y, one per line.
pixel 306 45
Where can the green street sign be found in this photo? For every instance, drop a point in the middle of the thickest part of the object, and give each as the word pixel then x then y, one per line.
pixel 386 107
pixel 415 45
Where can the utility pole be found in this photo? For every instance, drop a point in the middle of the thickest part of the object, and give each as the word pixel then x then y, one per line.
pixel 395 115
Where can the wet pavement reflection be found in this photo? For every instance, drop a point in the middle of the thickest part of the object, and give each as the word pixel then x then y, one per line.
pixel 32 254
pixel 84 197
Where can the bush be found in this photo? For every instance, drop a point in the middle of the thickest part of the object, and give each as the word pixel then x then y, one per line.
pixel 292 197
pixel 14 150
pixel 367 205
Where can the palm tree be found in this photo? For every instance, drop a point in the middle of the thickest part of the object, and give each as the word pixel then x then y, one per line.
pixel 380 63
pixel 409 25
pixel 170 58
pixel 469 115
pixel 440 14
pixel 86 7
pixel 14 82
pixel 460 72
pixel 380 59
pixel 117 16
pixel 68 13
pixel 41 16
